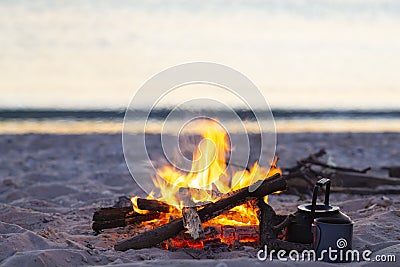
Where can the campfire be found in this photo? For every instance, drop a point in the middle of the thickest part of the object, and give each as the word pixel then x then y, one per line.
pixel 215 205
pixel 206 182
pixel 194 198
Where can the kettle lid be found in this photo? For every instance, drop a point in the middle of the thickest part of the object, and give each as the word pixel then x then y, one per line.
pixel 319 208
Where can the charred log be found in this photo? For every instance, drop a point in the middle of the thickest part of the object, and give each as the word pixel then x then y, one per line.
pixel 112 213
pixel 268 236
pixel 134 218
pixel 155 236
pixel 153 205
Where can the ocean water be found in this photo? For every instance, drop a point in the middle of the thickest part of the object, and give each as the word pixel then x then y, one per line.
pixel 323 65
pixel 111 121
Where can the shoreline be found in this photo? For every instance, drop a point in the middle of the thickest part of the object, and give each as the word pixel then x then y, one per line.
pixel 61 126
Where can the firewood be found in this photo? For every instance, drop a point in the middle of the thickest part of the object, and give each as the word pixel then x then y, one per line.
pixel 134 218
pixel 112 213
pixel 192 222
pixel 266 216
pixel 113 217
pixel 171 229
pixel 268 231
pixel 153 205
pixel 218 235
pixel 186 192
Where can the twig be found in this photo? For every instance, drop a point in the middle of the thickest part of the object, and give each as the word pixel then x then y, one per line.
pixel 328 166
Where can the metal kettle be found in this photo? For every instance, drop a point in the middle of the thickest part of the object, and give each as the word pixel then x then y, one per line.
pixel 299 229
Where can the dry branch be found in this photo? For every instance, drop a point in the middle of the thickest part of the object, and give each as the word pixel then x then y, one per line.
pixel 338 168
pixel 345 179
pixel 367 191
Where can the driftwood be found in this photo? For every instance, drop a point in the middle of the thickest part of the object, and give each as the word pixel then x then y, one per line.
pixel 314 161
pixel 302 177
pixel 367 191
pixel 394 171
pixel 268 232
pixel 347 179
pixel 171 229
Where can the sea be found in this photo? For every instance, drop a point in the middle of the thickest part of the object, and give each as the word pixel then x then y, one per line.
pixel 41 121
pixel 71 67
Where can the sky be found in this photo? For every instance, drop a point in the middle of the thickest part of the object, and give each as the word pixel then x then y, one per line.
pixel 300 54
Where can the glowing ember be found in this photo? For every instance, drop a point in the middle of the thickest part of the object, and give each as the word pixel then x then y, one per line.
pixel 206 182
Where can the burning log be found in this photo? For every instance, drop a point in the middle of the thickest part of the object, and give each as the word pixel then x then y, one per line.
pixel 112 213
pixel 113 217
pixel 134 218
pixel 192 222
pixel 171 229
pixel 191 219
pixel 216 237
pixel 153 205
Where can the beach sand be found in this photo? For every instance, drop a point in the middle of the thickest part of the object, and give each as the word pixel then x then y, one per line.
pixel 50 185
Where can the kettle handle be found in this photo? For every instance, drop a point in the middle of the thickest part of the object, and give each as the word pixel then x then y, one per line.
pixel 318 185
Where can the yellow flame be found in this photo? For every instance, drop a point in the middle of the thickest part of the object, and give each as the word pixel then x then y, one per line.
pixel 208 177
pixel 135 206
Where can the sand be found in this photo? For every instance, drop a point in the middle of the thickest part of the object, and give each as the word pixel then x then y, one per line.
pixel 50 185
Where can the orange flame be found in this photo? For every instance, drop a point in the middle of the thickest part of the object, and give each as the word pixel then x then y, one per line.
pixel 208 178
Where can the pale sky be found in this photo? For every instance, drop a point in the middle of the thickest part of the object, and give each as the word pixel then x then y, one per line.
pixel 301 54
